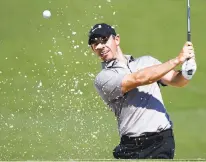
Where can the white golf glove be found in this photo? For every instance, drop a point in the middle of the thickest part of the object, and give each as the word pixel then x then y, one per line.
pixel 189 68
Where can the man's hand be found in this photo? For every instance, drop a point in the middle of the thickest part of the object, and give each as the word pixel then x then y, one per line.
pixel 186 53
pixel 187 59
pixel 187 66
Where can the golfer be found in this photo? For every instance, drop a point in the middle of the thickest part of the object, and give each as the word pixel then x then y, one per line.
pixel 131 88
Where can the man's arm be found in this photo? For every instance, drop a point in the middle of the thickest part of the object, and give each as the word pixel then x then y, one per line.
pixel 180 78
pixel 148 75
pixel 174 78
pixel 157 72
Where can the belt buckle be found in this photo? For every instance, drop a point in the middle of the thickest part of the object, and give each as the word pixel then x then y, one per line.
pixel 137 141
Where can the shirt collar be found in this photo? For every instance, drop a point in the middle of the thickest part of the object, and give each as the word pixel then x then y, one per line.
pixel 111 63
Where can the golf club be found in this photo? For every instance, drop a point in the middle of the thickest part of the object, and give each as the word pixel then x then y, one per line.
pixel 189 72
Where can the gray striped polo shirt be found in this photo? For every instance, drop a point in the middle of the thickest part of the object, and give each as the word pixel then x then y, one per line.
pixel 138 111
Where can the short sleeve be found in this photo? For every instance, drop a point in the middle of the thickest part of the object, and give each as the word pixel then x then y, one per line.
pixel 154 61
pixel 108 85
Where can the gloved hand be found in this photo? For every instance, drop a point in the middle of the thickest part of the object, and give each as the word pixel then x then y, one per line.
pixel 189 65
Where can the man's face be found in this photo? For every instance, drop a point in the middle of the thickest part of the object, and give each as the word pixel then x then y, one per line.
pixel 106 47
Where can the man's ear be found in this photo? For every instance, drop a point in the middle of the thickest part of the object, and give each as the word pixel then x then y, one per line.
pixel 92 48
pixel 117 39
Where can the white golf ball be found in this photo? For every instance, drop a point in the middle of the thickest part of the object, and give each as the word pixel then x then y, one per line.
pixel 46 14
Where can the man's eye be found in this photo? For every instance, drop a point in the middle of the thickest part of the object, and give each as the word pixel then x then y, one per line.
pixel 105 40
pixel 96 43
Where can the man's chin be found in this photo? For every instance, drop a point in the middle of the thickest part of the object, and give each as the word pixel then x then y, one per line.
pixel 107 59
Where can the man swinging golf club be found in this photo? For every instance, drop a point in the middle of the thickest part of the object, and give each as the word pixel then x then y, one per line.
pixel 131 88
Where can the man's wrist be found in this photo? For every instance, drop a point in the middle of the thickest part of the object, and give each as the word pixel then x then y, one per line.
pixel 175 61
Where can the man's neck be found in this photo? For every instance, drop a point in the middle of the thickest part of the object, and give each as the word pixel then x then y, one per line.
pixel 120 57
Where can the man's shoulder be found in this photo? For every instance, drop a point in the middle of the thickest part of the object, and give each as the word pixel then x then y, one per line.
pixel 108 75
pixel 104 73
pixel 147 60
pixel 145 57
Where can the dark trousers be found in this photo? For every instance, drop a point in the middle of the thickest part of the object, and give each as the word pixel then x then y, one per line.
pixel 150 146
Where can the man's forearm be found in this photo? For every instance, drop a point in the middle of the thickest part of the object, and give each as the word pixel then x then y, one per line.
pixel 178 80
pixel 147 75
pixel 156 72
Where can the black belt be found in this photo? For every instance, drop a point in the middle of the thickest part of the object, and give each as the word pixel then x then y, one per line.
pixel 147 136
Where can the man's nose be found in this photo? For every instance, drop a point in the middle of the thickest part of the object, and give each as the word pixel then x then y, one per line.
pixel 100 46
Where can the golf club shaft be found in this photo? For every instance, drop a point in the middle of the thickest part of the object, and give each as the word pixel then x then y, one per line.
pixel 188 28
pixel 188 22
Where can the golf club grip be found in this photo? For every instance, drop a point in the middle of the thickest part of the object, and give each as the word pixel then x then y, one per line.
pixel 189 72
pixel 189 36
